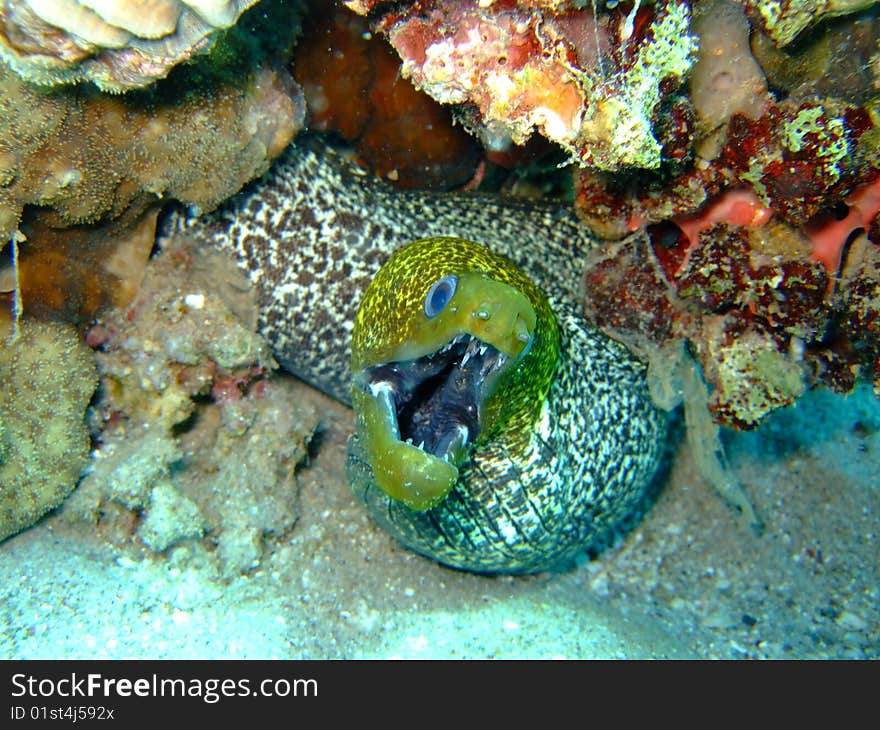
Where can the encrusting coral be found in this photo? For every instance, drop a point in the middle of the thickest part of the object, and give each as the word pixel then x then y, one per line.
pixel 117 44
pixel 47 377
pixel 80 170
pixel 589 82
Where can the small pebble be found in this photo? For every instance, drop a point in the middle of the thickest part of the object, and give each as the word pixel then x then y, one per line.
pixel 194 301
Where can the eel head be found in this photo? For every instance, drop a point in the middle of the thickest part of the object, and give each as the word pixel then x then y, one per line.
pixel 452 344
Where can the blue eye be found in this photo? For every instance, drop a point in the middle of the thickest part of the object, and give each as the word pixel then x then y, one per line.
pixel 439 295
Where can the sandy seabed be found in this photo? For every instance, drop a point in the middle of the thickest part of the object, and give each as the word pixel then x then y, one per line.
pixel 690 581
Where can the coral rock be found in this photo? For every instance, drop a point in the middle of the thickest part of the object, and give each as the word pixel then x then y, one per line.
pixel 178 339
pixel 117 44
pixel 758 312
pixel 72 273
pixel 799 158
pixel 751 376
pixel 195 440
pixel 591 83
pixel 839 60
pixel 89 157
pixel 861 302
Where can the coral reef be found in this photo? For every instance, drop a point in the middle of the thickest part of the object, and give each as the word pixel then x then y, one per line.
pixel 750 224
pixel 800 158
pixel 80 170
pixel 757 311
pixel 176 341
pixel 798 153
pixel 592 83
pixel 47 377
pixel 352 85
pixel 226 484
pixel 196 441
pixel 117 44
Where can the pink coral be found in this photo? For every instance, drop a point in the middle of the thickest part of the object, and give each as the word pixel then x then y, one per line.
pixel 738 207
pixel 829 236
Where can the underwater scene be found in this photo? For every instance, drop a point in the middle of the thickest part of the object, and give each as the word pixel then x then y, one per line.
pixel 479 329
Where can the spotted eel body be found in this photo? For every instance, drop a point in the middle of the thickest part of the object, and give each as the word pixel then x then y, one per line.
pixel 314 232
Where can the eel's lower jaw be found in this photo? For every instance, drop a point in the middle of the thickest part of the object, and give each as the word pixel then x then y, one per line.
pixel 421 417
pixel 401 469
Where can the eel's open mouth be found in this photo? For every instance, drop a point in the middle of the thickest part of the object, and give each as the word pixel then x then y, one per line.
pixel 434 402
pixel 425 387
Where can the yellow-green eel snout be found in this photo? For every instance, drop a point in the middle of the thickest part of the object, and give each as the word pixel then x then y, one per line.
pixel 451 344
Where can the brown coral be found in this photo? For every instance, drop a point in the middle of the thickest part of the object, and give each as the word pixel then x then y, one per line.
pixel 72 272
pixel 81 158
pixel 88 157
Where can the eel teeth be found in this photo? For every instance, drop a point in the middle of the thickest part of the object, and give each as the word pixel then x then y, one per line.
pixel 383 392
pixel 473 347
pixel 493 365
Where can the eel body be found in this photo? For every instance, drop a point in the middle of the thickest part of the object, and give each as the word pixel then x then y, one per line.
pixel 560 467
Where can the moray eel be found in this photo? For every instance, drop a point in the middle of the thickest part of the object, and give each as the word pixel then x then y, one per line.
pixel 497 430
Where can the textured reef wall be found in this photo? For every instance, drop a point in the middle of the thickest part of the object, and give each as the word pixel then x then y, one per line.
pixel 727 152
pixel 195 440
pixel 83 175
pixel 79 168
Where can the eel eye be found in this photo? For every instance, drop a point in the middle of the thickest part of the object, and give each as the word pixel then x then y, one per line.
pixel 439 295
